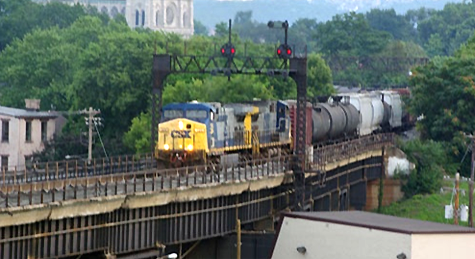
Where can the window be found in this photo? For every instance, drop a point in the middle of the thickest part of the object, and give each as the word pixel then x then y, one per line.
pixel 137 17
pixel 5 131
pixel 157 18
pixel 44 130
pixel 173 114
pixel 29 161
pixel 4 162
pixel 198 114
pixel 143 17
pixel 28 131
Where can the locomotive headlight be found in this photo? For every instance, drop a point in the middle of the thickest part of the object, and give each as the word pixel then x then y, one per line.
pixel 166 146
pixel 190 147
pixel 180 125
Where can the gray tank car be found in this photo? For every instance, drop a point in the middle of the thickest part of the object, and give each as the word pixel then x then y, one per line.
pixel 334 119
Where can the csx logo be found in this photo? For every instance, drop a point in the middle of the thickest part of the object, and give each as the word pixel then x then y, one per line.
pixel 180 134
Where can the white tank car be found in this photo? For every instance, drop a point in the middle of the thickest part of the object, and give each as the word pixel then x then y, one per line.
pixel 394 101
pixel 363 104
pixel 378 111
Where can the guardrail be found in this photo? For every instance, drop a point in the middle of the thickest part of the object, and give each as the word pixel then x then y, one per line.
pixel 67 169
pixel 347 149
pixel 29 193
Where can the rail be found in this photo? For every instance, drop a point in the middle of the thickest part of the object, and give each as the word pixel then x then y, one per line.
pixel 30 193
pixel 70 169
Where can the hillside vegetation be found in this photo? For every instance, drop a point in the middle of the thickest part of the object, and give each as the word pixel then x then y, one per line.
pixel 429 207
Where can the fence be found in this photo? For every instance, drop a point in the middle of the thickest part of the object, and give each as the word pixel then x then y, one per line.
pixel 29 192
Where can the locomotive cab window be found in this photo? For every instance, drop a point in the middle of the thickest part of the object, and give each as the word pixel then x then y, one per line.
pixel 211 116
pixel 170 114
pixel 197 114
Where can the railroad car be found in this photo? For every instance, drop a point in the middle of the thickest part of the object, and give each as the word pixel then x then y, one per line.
pixel 371 111
pixel 213 134
pixel 350 115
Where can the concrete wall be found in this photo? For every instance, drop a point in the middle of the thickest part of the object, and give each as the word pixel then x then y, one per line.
pixel 442 246
pixel 334 241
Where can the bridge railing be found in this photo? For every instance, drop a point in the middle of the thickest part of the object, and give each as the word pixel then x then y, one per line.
pixel 68 169
pixel 347 149
pixel 71 169
pixel 88 186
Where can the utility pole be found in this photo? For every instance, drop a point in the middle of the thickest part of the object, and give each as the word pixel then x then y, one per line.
pixel 456 209
pixel 89 121
pixel 470 184
pixel 238 239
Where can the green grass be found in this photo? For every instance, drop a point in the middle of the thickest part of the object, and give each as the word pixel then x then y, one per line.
pixel 428 207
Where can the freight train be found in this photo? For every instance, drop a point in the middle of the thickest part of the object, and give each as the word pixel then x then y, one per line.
pixel 212 134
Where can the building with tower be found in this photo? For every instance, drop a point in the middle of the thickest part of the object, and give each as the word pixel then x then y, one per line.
pixel 158 15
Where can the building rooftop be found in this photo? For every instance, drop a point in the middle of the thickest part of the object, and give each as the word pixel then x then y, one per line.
pixel 22 113
pixel 381 222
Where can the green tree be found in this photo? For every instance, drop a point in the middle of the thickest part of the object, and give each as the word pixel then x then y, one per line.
pixel 18 17
pixel 303 33
pixel 117 78
pixel 138 136
pixel 435 46
pixel 429 159
pixel 350 34
pixel 40 66
pixel 389 21
pixel 449 109
pixel 319 76
pixel 454 25
pixel 221 29
pixel 199 28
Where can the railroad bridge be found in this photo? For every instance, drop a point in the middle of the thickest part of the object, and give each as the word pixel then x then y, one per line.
pixel 126 208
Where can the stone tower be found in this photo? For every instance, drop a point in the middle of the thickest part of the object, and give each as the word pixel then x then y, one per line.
pixel 167 15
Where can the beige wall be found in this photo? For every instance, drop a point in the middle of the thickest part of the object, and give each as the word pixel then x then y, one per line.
pixel 443 246
pixel 11 148
pixel 17 147
pixel 335 241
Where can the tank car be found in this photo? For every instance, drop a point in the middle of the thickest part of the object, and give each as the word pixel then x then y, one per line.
pixel 371 111
pixel 334 120
pixel 393 108
pixel 212 133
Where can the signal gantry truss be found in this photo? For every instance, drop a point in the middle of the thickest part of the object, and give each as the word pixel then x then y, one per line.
pixel 295 68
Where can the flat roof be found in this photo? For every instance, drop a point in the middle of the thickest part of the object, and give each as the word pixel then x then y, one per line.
pixel 380 222
pixel 21 113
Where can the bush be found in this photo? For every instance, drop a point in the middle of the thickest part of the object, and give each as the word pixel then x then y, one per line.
pixel 430 159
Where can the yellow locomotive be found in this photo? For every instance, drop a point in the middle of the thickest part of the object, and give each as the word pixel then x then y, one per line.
pixel 212 134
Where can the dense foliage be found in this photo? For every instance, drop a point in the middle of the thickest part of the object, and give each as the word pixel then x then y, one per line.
pixel 428 207
pixel 430 159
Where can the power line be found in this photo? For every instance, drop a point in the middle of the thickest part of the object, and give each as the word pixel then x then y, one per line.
pixel 99 134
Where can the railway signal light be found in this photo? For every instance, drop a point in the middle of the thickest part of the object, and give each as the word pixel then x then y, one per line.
pixel 284 51
pixel 228 50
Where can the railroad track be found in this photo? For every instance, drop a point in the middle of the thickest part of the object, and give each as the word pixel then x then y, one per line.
pixel 31 193
pixel 64 170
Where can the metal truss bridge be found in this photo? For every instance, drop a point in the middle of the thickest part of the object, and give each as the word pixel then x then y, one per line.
pixel 127 207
